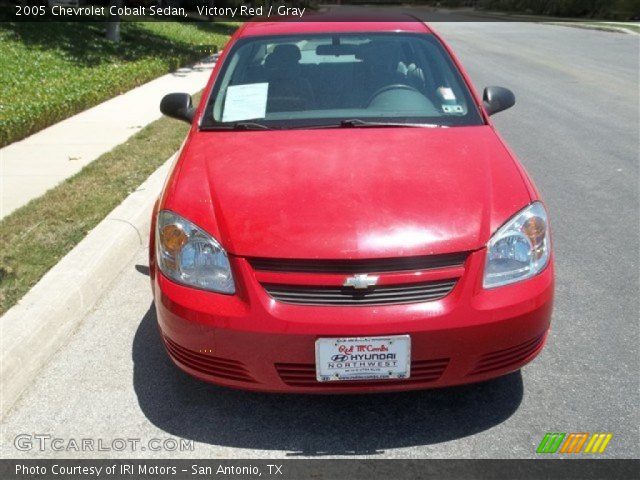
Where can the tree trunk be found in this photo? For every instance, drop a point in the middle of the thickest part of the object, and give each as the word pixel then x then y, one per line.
pixel 113 25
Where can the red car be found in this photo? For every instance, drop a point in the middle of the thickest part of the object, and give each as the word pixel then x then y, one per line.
pixel 343 217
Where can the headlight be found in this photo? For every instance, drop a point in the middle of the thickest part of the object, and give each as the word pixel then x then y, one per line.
pixel 520 249
pixel 189 255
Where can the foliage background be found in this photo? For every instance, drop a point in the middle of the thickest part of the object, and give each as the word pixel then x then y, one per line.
pixel 52 70
pixel 604 9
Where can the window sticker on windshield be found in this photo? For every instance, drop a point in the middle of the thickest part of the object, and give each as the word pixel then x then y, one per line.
pixel 245 102
pixel 446 93
pixel 452 109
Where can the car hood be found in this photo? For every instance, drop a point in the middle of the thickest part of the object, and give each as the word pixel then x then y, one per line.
pixel 348 193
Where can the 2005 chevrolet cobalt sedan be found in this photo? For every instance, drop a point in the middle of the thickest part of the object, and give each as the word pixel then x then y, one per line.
pixel 343 217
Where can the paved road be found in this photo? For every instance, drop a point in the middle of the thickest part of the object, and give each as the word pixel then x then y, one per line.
pixel 576 129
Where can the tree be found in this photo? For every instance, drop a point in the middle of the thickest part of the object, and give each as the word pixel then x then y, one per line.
pixel 113 25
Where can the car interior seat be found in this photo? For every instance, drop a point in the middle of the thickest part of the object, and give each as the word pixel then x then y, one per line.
pixel 381 66
pixel 288 89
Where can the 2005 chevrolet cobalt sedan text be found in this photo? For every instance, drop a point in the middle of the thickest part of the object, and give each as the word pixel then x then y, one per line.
pixel 343 217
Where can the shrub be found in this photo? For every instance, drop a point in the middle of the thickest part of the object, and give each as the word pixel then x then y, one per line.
pixel 50 71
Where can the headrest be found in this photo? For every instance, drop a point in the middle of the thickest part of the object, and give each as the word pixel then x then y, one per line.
pixel 285 54
pixel 380 52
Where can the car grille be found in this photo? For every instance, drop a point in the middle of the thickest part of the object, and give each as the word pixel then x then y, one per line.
pixel 509 357
pixel 304 375
pixel 382 295
pixel 207 364
pixel 376 265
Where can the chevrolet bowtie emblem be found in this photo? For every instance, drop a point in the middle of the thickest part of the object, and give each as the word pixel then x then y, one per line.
pixel 361 281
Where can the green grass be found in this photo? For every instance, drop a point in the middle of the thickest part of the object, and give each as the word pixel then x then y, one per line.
pixel 52 70
pixel 35 237
pixel 597 25
pixel 628 26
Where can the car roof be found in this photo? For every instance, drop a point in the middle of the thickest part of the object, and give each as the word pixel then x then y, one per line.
pixel 335 23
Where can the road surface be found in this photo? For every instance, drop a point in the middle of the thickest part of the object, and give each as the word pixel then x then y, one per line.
pixel 575 127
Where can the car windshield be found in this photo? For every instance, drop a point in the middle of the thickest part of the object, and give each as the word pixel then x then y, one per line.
pixel 334 80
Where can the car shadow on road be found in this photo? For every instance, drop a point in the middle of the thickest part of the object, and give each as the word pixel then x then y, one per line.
pixel 310 425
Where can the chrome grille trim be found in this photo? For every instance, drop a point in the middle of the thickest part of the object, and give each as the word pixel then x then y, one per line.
pixel 381 295
pixel 375 265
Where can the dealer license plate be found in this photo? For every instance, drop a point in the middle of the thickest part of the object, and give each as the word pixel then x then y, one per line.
pixel 372 358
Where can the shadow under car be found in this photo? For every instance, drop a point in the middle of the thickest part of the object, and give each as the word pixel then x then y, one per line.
pixel 310 425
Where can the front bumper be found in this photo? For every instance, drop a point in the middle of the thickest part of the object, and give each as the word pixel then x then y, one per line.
pixel 251 341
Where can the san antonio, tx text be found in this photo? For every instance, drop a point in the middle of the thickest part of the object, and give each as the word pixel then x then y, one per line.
pixel 125 469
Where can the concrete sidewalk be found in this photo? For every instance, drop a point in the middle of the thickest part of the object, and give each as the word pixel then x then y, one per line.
pixel 30 167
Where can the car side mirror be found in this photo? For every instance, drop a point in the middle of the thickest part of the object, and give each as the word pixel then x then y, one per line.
pixel 497 99
pixel 179 106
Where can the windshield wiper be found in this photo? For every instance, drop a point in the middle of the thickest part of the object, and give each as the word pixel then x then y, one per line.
pixel 249 126
pixel 357 122
pixel 349 123
pixel 237 126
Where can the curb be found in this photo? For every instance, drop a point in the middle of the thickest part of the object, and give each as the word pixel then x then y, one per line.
pixel 41 322
pixel 594 26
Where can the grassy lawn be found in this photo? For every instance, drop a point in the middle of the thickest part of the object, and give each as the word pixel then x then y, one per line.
pixel 35 237
pixel 628 26
pixel 52 70
pixel 597 25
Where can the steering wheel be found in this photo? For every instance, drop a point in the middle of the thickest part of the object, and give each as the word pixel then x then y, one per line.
pixel 386 88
